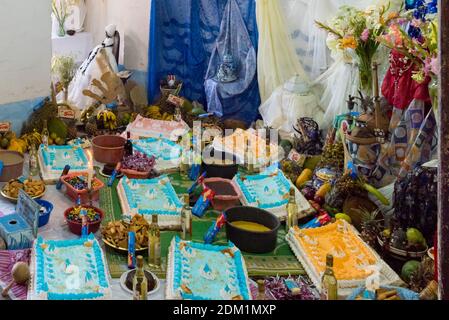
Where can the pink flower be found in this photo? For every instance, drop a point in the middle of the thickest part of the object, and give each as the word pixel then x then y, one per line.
pixel 435 65
pixel 365 35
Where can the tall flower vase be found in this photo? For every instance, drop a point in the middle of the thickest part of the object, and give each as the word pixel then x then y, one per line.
pixel 366 74
pixel 433 91
pixel 61 29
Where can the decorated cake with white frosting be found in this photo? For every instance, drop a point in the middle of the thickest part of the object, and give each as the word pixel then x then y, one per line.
pixel 53 159
pixel 148 197
pixel 68 270
pixel 270 190
pixel 199 271
pixel 153 128
pixel 353 258
pixel 168 154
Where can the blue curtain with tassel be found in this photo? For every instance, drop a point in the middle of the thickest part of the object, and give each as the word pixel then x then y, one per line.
pixel 182 37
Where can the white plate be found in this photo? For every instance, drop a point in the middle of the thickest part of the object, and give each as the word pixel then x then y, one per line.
pixel 125 288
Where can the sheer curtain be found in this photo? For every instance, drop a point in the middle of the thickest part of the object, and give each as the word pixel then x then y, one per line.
pixel 277 61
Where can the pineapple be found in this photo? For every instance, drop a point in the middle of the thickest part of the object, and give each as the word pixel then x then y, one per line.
pixel 370 226
pixel 91 129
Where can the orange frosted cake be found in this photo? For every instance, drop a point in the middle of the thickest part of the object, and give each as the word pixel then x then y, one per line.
pixel 352 256
pixel 246 143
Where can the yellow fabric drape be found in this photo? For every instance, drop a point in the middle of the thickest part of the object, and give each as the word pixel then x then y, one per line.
pixel 277 61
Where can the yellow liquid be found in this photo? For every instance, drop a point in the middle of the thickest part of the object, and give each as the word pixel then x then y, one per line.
pixel 250 226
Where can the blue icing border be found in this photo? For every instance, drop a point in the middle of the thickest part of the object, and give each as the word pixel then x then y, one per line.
pixel 141 149
pixel 168 190
pixel 178 267
pixel 77 150
pixel 280 179
pixel 41 284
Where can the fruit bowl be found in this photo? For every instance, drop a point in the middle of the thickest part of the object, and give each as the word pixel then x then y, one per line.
pixel 75 226
pixel 400 253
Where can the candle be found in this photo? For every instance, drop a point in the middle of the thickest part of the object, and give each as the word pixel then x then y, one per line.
pixel 90 170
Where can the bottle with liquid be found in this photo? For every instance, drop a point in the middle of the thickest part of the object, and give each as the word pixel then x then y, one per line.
pixel 292 211
pixel 154 243
pixel 261 290
pixel 140 282
pixel 329 287
pixel 186 218
pixel 33 162
pixel 45 134
pixel 128 145
pixel 178 114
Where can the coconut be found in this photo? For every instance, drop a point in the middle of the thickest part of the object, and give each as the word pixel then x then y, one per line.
pixel 20 272
pixel 355 206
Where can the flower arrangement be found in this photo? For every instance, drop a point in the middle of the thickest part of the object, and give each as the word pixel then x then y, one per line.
pixel 64 67
pixel 423 51
pixel 61 13
pixel 359 30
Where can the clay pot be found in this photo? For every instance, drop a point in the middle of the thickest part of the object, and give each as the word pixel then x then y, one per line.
pixel 108 149
pixel 12 165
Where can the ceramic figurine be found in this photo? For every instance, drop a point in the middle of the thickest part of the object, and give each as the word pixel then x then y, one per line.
pixel 227 72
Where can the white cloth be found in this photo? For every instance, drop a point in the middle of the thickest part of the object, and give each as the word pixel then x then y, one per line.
pixel 288 103
pixel 100 61
pixel 309 40
pixel 276 61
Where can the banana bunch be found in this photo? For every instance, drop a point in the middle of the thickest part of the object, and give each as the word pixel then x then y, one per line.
pixel 109 119
pixel 32 138
pixel 154 112
pixel 18 145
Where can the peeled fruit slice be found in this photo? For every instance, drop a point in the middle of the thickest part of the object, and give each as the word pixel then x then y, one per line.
pixel 414 236
pixel 409 268
pixel 343 216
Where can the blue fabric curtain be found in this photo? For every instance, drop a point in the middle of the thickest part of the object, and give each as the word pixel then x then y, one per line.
pixel 182 37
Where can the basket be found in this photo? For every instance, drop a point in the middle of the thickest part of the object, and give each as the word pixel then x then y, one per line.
pixel 134 174
pixel 83 194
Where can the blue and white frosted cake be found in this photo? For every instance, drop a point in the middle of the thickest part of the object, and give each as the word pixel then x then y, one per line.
pixel 151 196
pixel 199 271
pixel 53 159
pixel 168 154
pixel 68 270
pixel 270 190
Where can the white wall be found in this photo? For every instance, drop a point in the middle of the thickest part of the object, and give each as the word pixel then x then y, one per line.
pixel 132 20
pixel 25 49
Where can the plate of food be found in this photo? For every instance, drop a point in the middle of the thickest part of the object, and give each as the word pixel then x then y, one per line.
pixel 115 234
pixel 34 188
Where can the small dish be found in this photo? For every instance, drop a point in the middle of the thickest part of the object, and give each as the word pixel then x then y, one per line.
pixel 124 276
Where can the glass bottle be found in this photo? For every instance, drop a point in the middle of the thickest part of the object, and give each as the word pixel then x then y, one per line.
pixel 178 114
pixel 329 287
pixel 292 211
pixel 45 134
pixel 154 243
pixel 128 145
pixel 186 218
pixel 261 290
pixel 33 162
pixel 140 282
